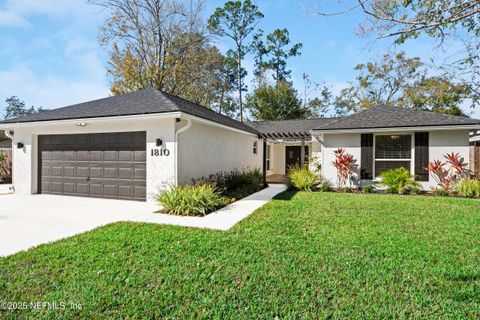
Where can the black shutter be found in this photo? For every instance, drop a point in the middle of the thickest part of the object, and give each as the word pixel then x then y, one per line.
pixel 421 156
pixel 366 159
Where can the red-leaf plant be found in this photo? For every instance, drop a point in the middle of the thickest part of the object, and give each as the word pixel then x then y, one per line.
pixel 444 177
pixel 345 165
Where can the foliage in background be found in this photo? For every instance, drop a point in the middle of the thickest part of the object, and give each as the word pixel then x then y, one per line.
pixel 164 44
pixel 448 172
pixel 302 179
pixel 467 187
pixel 397 180
pixel 235 184
pixel 404 82
pixel 276 102
pixel 272 54
pixel 17 108
pixel 452 22
pixel 191 200
pixel 346 167
pixel 237 20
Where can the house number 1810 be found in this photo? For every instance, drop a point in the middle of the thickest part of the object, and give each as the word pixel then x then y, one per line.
pixel 160 152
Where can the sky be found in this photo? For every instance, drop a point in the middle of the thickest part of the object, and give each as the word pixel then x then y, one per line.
pixel 50 55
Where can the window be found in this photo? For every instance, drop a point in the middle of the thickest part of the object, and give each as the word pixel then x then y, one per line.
pixel 392 151
pixel 255 147
pixel 268 156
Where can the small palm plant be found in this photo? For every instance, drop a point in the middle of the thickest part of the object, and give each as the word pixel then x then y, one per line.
pixel 397 180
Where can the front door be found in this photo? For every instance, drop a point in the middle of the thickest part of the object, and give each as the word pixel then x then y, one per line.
pixel 293 155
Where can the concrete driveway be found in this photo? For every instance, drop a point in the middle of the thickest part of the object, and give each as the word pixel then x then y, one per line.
pixel 30 220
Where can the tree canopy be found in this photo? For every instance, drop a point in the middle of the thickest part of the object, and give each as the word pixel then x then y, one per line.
pixel 237 20
pixel 403 82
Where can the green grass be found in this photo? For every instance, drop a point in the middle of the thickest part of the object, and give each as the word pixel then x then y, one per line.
pixel 316 255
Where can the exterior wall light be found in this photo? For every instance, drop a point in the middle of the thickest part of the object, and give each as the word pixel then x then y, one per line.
pixel 20 145
pixel 159 142
pixel 80 124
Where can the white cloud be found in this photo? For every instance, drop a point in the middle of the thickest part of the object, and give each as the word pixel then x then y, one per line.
pixel 51 91
pixel 12 19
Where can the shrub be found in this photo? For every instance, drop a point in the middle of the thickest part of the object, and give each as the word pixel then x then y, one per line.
pixel 325 186
pixel 397 180
pixel 447 177
pixel 368 188
pixel 441 193
pixel 347 190
pixel 235 184
pixel 302 179
pixel 192 200
pixel 345 165
pixel 415 190
pixel 467 187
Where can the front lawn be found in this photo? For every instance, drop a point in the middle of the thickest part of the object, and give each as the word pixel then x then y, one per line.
pixel 304 255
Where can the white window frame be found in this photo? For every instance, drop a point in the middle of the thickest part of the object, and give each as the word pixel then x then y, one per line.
pixel 412 152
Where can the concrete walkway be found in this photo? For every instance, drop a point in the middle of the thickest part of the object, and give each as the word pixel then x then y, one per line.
pixel 27 221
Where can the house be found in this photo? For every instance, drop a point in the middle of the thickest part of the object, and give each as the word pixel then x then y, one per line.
pixel 132 145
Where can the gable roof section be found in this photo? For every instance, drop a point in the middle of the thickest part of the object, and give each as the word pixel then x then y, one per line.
pixel 383 116
pixel 143 102
pixel 288 129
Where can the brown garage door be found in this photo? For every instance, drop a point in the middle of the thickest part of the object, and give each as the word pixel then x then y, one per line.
pixel 101 165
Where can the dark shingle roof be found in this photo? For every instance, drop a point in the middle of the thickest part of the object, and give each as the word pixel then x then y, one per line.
pixel 382 116
pixel 147 101
pixel 288 129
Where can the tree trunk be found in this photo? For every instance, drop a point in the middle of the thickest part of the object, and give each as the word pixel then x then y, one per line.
pixel 239 77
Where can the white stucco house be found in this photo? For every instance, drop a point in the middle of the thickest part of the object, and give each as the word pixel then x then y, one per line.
pixel 130 146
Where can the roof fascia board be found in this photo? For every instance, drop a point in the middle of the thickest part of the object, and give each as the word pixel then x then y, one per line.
pixel 5 126
pixel 216 124
pixel 402 129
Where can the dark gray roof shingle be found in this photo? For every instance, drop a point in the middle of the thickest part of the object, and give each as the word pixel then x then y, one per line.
pixel 147 101
pixel 288 129
pixel 383 116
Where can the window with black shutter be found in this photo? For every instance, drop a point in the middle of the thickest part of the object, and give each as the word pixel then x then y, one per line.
pixel 421 156
pixel 366 157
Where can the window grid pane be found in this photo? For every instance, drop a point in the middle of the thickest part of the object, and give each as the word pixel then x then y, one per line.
pixel 393 147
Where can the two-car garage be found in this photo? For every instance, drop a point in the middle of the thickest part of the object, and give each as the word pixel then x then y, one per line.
pixel 101 165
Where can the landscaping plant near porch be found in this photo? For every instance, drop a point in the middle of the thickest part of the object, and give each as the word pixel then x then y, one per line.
pixel 397 180
pixel 192 200
pixel 302 179
pixel 235 184
pixel 467 187
pixel 448 172
pixel 345 165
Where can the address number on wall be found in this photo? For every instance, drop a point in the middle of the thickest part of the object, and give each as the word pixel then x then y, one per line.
pixel 160 152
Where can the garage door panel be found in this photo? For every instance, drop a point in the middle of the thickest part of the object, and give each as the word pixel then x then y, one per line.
pixel 102 165
pixel 69 172
pixel 96 155
pixel 96 172
pixel 83 155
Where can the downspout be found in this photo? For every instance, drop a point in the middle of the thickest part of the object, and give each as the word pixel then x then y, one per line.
pixel 177 133
pixel 264 162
